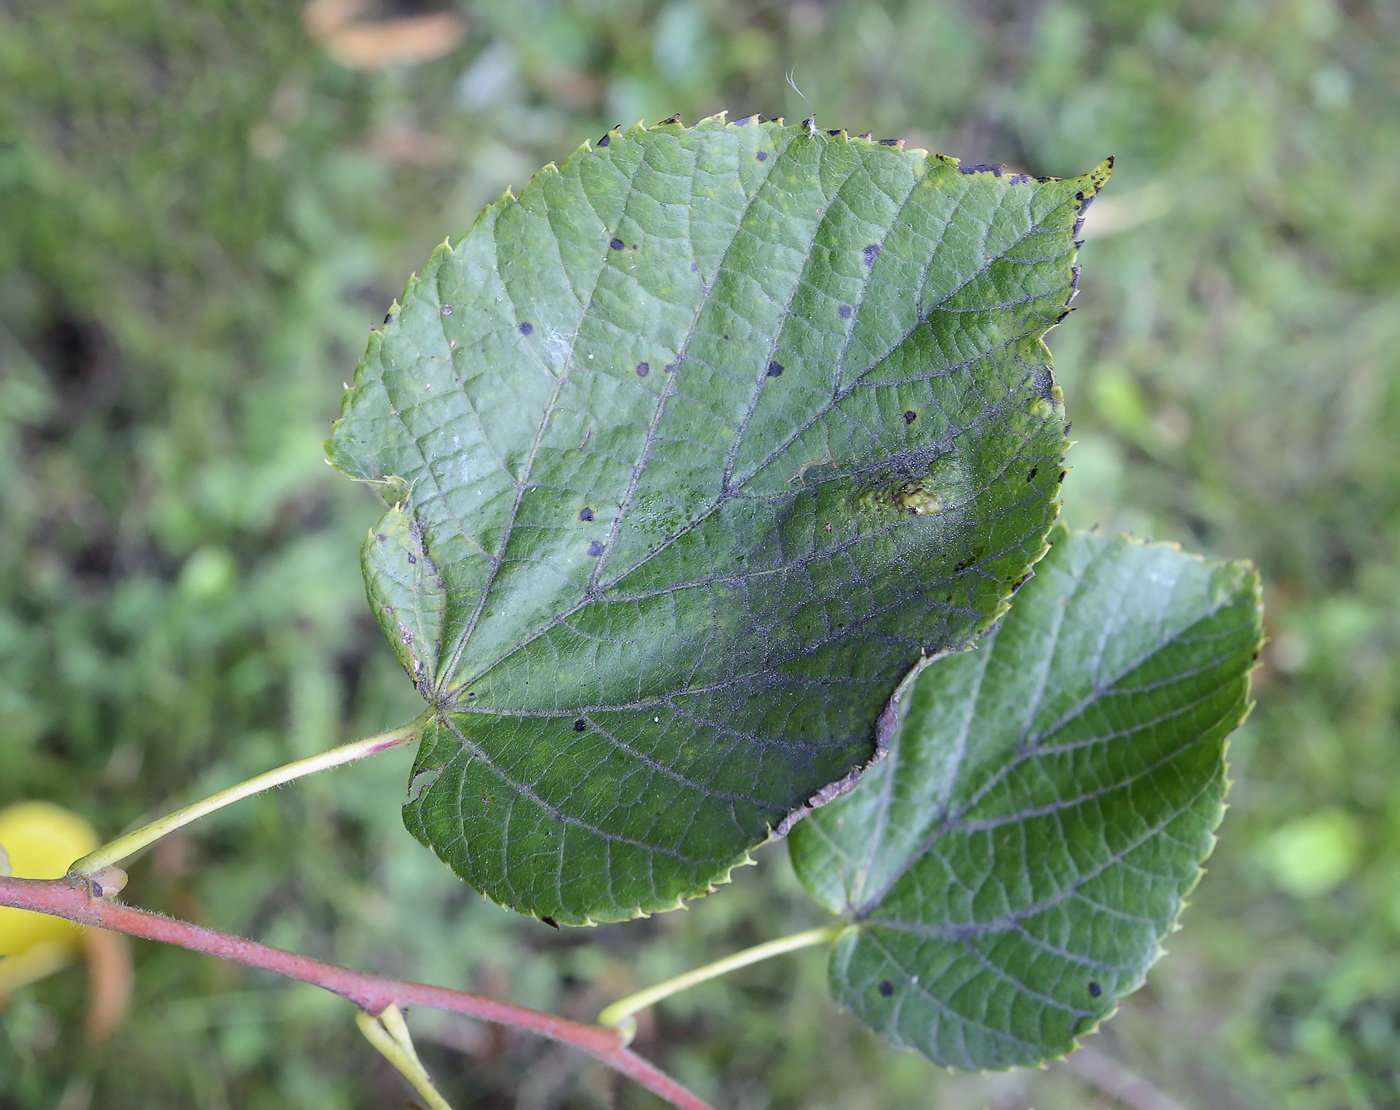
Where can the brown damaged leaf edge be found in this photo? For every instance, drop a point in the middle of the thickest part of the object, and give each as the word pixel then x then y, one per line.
pixel 885 726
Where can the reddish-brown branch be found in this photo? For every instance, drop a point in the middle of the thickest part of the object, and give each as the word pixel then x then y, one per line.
pixel 72 899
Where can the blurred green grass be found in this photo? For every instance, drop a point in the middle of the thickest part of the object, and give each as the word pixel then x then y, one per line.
pixel 202 214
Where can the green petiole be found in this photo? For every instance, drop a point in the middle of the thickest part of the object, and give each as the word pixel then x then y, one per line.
pixel 130 843
pixel 619 1014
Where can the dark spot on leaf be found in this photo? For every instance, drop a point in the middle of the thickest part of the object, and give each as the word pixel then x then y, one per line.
pixel 643 369
pixel 670 368
pixel 1095 990
pixel 834 131
pixel 872 252
pixel 844 312
pixel 994 170
pixel 910 416
pixel 673 119
pixel 762 156
pixel 1068 427
pixel 616 243
pixel 775 369
pixel 388 317
pixel 380 536
pixel 550 922
pixel 595 549
pixel 694 267
pixel 1016 586
pixel 890 142
pixel 526 328
pixel 580 725
pixel 1044 383
pixel 412 558
pixel 585 513
pixel 886 987
pixel 1034 471
pixel 605 140
pixel 634 246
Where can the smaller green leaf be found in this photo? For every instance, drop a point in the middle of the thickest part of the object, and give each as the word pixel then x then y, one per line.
pixel 1011 868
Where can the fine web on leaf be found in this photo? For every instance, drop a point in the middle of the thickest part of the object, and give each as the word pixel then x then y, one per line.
pixel 703 441
pixel 1012 867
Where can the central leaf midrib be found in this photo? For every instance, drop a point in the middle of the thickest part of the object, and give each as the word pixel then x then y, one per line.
pixel 605 592
pixel 449 673
pixel 522 486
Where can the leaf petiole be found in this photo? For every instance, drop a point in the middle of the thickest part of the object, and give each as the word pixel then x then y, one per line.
pixel 619 1014
pixel 389 1034
pixel 130 843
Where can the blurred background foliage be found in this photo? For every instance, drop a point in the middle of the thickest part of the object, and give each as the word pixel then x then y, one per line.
pixel 205 206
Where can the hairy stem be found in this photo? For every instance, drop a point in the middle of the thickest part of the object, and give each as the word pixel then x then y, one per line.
pixel 130 843
pixel 619 1014
pixel 72 899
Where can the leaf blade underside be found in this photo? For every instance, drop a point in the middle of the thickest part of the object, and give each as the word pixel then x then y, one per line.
pixel 1012 867
pixel 703 441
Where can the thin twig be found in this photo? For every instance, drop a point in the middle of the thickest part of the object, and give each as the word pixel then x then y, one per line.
pixel 72 899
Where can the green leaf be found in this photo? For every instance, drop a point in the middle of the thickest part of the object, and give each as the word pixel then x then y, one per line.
pixel 1012 866
pixel 695 448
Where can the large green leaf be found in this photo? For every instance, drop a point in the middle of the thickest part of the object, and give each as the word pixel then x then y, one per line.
pixel 694 448
pixel 1012 866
